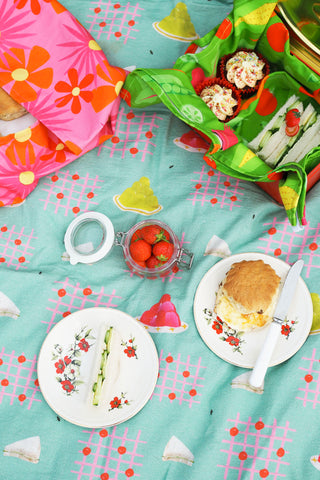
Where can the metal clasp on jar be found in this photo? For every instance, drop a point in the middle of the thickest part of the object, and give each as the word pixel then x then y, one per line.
pixel 119 238
pixel 185 263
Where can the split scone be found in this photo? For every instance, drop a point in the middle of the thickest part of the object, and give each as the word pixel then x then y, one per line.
pixel 247 297
pixel 9 108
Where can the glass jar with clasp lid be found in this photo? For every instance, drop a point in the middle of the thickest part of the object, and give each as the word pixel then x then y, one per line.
pixel 91 236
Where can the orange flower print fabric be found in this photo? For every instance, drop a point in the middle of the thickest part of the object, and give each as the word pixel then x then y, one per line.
pixel 23 75
pixel 74 91
pixel 64 80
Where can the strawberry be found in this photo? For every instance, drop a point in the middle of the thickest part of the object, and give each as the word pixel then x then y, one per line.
pixel 292 122
pixel 153 262
pixel 163 250
pixel 140 250
pixel 153 234
pixel 136 235
pixel 142 264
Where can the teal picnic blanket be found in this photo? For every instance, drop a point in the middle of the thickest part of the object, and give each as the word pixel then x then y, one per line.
pixel 201 420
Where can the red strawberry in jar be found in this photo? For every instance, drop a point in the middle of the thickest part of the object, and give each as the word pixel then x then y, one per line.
pixel 163 250
pixel 154 233
pixel 140 250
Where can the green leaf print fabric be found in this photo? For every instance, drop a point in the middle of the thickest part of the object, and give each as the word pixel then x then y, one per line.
pixel 252 25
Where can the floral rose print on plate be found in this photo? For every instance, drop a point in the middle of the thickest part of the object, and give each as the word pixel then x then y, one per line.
pixel 227 334
pixel 119 402
pixel 242 348
pixel 130 348
pixel 67 360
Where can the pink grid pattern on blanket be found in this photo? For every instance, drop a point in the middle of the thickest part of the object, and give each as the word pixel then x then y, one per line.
pixel 69 298
pixel 211 186
pixel 179 380
pixel 281 240
pixel 134 134
pixel 113 20
pixel 15 247
pixel 256 450
pixel 110 451
pixel 310 391
pixel 69 193
pixel 18 378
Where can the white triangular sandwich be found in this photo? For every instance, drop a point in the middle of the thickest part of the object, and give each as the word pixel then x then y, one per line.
pixel 27 449
pixel 7 307
pixel 176 451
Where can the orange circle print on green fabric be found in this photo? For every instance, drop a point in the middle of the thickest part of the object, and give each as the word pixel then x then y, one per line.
pixel 267 103
pixel 277 36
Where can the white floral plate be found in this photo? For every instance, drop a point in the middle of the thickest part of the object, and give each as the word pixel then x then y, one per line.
pixel 241 348
pixel 67 359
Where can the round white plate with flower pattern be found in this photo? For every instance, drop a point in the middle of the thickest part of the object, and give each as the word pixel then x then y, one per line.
pixel 68 359
pixel 241 348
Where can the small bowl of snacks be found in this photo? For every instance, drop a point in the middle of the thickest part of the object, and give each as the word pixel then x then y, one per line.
pixel 150 248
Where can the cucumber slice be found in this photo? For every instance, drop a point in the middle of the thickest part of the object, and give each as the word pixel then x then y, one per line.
pixel 264 140
pixel 310 121
pixel 97 386
pixel 107 339
pixel 277 124
pixel 97 392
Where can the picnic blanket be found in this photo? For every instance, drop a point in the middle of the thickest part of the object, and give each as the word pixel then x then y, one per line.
pixel 201 420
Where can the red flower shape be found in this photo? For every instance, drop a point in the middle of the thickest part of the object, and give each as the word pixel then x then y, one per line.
pixel 233 341
pixel 59 366
pixel 217 327
pixel 74 91
pixel 83 345
pixel 67 360
pixel 285 330
pixel 130 352
pixel 67 385
pixel 115 403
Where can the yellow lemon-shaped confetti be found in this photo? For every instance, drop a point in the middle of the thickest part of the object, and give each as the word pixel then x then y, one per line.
pixel 315 327
pixel 289 197
pixel 259 16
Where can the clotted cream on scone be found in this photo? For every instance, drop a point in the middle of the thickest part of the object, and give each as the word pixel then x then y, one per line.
pixel 247 297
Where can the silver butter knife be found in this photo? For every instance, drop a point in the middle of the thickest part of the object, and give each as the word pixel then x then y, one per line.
pixel 258 373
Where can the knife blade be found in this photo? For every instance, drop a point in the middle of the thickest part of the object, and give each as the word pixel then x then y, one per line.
pixel 260 368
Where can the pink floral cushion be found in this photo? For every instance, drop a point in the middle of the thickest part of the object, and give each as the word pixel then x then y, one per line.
pixel 52 66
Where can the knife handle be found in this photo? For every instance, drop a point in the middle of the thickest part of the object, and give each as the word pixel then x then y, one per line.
pixel 262 363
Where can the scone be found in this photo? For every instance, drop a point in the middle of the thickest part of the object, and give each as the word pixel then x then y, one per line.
pixel 247 297
pixel 9 108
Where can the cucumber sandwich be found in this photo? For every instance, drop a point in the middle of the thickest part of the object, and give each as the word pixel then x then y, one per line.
pixel 292 132
pixel 107 365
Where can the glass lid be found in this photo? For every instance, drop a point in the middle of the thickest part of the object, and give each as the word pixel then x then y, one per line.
pixel 89 238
